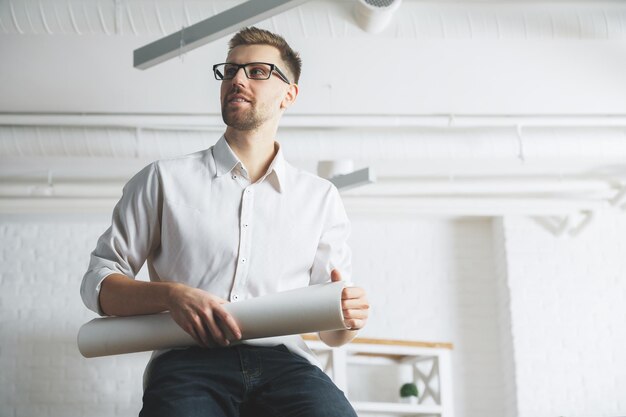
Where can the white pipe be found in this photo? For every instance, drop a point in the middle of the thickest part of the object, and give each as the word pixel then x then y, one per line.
pixel 210 121
pixel 56 205
pixel 478 145
pixel 480 207
pixel 416 190
pixel 487 187
pixel 354 205
pixel 61 190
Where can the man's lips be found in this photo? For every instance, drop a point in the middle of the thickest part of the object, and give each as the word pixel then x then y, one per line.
pixel 238 98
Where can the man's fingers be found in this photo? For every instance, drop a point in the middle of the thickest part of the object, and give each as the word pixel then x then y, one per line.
pixel 354 324
pixel 216 331
pixel 355 304
pixel 194 328
pixel 355 307
pixel 211 328
pixel 226 321
pixel 192 325
pixel 352 292
pixel 202 331
pixel 335 275
pixel 192 331
pixel 355 314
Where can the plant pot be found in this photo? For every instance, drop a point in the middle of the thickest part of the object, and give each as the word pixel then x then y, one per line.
pixel 408 400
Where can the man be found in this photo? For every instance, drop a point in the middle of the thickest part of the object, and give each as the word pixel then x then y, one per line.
pixel 229 223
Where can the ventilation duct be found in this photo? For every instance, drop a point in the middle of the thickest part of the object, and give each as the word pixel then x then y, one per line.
pixel 374 16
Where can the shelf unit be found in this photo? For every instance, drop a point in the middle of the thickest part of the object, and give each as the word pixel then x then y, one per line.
pixel 429 365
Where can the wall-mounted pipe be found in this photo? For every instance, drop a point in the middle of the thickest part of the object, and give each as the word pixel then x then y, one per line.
pixel 213 122
pixel 475 207
pixel 458 145
pixel 537 188
pixel 489 187
pixel 465 207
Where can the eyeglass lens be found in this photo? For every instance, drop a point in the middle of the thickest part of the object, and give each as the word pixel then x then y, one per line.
pixel 255 71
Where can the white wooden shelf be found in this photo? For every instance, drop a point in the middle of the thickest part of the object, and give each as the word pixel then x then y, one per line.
pixel 396 408
pixel 435 397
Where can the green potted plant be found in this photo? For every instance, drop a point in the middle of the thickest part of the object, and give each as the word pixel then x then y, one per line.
pixel 408 393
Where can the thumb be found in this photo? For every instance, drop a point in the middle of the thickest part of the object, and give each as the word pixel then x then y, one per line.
pixel 335 275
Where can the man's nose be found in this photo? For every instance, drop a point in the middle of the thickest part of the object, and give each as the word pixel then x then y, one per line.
pixel 240 76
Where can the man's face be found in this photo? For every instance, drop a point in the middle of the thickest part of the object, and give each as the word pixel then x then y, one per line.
pixel 248 104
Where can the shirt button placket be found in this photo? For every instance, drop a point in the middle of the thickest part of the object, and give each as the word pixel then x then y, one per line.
pixel 242 268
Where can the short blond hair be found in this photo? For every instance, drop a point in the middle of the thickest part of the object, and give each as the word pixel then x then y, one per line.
pixel 256 36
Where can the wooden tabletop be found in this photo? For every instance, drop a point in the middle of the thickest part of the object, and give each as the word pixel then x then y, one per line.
pixel 393 342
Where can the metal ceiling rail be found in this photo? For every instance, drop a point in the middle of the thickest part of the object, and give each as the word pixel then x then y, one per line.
pixel 209 30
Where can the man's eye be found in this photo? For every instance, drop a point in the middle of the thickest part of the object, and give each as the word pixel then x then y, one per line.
pixel 258 72
pixel 230 71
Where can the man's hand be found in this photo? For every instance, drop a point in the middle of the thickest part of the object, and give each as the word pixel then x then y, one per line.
pixel 202 315
pixel 353 303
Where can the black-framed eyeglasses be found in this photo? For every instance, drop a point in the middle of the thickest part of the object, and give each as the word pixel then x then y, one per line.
pixel 253 70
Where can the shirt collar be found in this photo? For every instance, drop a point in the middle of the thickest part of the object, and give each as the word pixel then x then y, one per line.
pixel 277 167
pixel 226 160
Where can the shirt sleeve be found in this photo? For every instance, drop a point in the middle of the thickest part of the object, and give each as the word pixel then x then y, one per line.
pixel 333 251
pixel 134 233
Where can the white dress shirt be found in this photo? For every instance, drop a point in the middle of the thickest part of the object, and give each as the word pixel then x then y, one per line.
pixel 198 220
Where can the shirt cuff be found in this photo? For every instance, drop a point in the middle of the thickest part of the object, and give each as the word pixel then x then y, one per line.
pixel 90 289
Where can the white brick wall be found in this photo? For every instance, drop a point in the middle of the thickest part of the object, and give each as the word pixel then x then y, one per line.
pixel 42 373
pixel 568 311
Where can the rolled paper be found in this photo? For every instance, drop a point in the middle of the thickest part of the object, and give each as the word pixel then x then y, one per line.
pixel 118 335
pixel 303 310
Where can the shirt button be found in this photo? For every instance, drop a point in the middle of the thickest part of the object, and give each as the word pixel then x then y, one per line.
pixel 234 177
pixel 243 260
pixel 245 225
pixel 235 297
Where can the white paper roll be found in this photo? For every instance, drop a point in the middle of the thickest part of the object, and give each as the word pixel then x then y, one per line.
pixel 303 310
pixel 117 335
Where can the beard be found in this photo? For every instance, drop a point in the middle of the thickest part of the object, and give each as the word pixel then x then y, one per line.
pixel 242 119
pixel 249 118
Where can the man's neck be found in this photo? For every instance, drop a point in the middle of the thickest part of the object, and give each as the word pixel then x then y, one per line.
pixel 255 149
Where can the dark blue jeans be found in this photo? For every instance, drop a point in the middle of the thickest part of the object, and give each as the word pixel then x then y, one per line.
pixel 246 381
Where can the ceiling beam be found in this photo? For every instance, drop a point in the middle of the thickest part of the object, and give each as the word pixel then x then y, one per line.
pixel 208 30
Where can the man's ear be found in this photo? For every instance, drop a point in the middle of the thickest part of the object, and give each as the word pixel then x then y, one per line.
pixel 290 96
